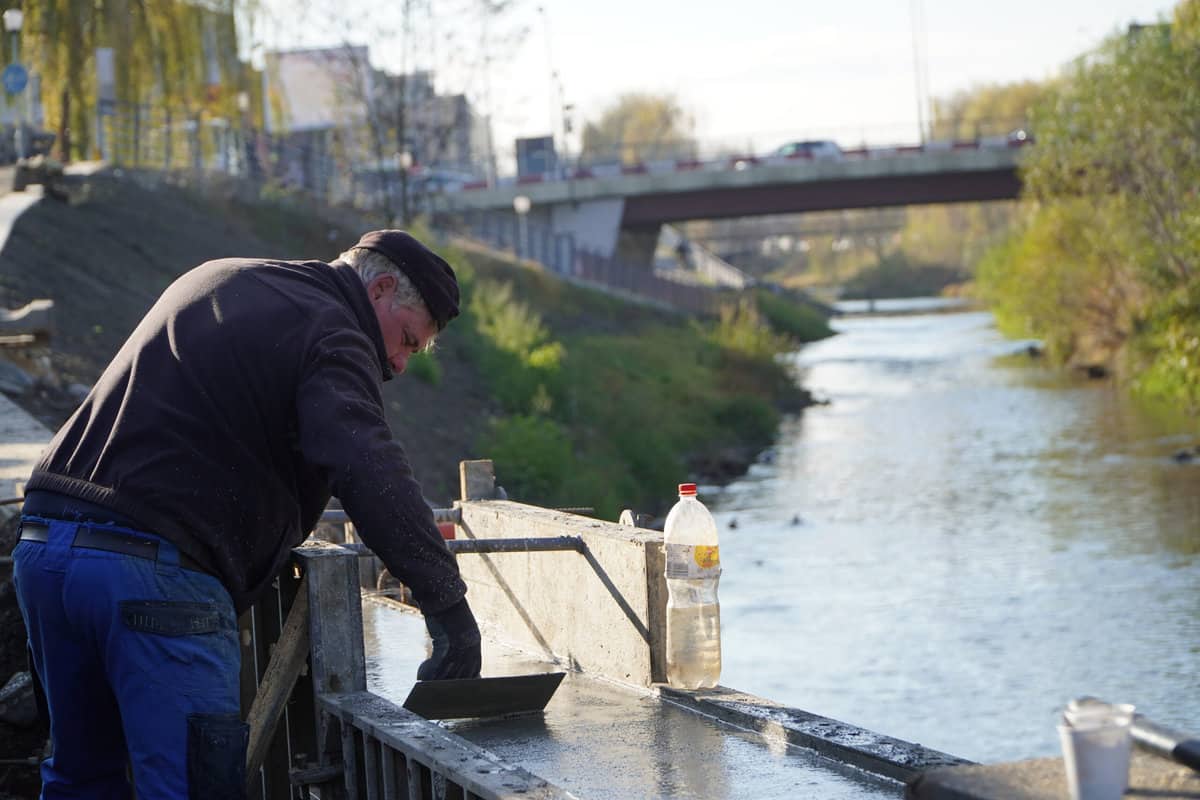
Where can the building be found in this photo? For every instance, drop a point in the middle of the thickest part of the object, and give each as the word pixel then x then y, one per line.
pixel 346 130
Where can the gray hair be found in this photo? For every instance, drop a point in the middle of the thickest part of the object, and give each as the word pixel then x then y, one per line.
pixel 370 265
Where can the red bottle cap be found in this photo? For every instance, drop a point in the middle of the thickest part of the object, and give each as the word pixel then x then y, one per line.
pixel 687 489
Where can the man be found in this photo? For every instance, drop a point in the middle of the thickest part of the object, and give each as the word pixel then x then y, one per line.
pixel 249 394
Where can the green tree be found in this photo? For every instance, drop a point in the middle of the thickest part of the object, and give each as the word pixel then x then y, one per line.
pixel 1106 267
pixel 640 126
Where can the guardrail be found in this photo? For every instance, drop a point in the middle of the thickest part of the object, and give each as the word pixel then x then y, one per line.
pixel 741 161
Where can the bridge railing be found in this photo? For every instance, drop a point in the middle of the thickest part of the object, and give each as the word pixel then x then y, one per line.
pixel 646 160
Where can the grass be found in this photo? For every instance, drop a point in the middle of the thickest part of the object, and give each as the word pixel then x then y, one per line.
pixel 609 404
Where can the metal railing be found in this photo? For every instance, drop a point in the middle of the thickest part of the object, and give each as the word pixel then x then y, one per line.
pixel 560 254
pixel 317 731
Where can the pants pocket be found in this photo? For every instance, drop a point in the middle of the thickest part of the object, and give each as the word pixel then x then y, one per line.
pixel 171 618
pixel 187 646
pixel 216 756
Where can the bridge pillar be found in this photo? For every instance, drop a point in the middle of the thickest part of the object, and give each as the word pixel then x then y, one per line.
pixel 594 224
pixel 636 246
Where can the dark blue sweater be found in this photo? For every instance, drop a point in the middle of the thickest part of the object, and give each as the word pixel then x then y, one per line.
pixel 249 394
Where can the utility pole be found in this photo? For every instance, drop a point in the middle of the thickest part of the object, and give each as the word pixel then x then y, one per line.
pixel 485 45
pixel 552 75
pixel 404 156
pixel 917 12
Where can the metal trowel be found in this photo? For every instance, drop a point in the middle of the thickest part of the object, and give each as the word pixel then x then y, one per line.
pixel 483 697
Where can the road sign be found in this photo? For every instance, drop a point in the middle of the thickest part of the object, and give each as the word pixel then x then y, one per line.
pixel 14 78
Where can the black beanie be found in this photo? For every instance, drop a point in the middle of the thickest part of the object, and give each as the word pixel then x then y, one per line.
pixel 428 271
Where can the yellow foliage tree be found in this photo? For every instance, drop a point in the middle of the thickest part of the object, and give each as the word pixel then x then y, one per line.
pixel 170 53
pixel 992 110
pixel 640 126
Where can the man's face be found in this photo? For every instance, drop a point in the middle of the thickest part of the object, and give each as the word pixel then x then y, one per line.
pixel 405 330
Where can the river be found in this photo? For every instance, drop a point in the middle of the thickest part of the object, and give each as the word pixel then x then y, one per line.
pixel 962 540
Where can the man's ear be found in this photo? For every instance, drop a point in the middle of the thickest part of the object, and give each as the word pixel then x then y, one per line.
pixel 381 285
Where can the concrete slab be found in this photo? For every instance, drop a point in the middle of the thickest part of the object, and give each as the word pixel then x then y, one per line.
pixel 1045 779
pixel 600 739
pixel 13 205
pixel 22 440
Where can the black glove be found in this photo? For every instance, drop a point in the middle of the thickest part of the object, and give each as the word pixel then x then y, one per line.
pixel 455 644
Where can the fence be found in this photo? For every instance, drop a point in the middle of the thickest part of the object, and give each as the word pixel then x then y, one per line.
pixel 560 254
pixel 333 736
pixel 150 137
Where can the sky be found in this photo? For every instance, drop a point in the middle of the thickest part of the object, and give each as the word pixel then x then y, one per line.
pixel 752 74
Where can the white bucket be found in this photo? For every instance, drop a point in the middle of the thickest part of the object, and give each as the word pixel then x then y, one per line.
pixel 1096 747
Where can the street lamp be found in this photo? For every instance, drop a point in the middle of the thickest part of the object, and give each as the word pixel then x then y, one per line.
pixel 13 19
pixel 405 160
pixel 521 205
pixel 920 64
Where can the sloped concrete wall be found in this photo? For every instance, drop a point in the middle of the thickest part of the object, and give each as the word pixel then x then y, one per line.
pixel 22 440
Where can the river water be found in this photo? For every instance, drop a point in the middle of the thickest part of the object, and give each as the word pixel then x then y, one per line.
pixel 961 541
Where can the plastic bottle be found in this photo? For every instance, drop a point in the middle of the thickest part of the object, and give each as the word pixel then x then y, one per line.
pixel 693 613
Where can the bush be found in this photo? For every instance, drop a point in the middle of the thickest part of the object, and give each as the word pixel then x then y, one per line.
pixel 742 330
pixel 751 419
pixel 1166 351
pixel 425 367
pixel 792 318
pixel 532 456
pixel 504 321
pixel 895 275
pixel 512 347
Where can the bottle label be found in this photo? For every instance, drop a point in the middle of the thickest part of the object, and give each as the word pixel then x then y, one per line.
pixel 692 562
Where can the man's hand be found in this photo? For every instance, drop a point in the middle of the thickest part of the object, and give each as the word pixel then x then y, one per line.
pixel 455 644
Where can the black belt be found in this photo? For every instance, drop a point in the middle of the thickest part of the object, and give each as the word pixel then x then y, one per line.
pixel 129 544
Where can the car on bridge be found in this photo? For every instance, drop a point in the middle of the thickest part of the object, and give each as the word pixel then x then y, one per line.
pixel 814 149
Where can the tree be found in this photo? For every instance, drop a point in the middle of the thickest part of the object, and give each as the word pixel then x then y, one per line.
pixel 639 127
pixel 166 51
pixel 992 110
pixel 1115 227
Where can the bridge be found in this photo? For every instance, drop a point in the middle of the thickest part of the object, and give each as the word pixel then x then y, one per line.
pixel 618 209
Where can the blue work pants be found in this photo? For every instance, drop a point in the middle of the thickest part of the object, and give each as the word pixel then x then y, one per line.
pixel 139 661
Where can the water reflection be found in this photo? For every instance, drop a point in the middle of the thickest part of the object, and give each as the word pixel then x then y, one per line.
pixel 982 539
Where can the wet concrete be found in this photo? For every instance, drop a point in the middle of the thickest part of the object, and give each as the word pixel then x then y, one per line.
pixel 601 740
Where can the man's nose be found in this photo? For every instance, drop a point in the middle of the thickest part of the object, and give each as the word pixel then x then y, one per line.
pixel 399 362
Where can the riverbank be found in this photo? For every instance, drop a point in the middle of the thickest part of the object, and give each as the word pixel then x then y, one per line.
pixel 514 362
pixel 967 531
pixel 1102 266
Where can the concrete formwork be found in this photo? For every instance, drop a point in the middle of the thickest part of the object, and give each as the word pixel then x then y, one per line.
pixel 599 611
